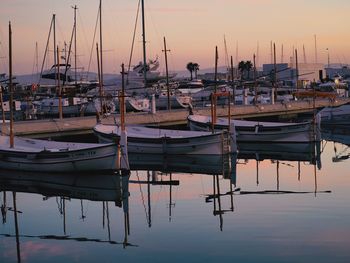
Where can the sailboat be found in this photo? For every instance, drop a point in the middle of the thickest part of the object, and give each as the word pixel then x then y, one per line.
pixel 257 131
pixel 50 156
pixel 336 115
pixel 161 141
pixel 26 154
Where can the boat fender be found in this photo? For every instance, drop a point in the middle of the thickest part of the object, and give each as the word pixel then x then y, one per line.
pixel 256 129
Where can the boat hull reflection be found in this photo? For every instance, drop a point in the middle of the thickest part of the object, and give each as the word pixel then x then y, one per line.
pixel 201 164
pixel 340 134
pixel 307 152
pixel 93 187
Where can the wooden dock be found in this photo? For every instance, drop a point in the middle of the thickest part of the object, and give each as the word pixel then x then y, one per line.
pixel 83 125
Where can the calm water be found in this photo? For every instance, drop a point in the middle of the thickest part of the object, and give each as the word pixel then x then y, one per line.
pixel 290 206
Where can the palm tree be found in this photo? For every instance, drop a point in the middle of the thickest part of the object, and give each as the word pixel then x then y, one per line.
pixel 248 67
pixel 195 68
pixel 190 68
pixel 241 68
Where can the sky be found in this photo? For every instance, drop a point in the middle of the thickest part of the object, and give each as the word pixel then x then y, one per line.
pixel 192 29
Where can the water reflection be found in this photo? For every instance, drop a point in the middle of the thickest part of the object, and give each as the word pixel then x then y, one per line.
pixel 102 188
pixel 339 136
pixel 112 192
pixel 279 153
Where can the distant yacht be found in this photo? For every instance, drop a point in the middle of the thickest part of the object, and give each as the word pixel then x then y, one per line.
pixel 152 73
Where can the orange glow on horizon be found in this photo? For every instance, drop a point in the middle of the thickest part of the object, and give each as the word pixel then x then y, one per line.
pixel 192 30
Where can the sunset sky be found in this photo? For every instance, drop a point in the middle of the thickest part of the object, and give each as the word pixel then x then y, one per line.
pixel 192 28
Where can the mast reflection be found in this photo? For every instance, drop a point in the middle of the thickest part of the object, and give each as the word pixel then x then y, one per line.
pixel 92 187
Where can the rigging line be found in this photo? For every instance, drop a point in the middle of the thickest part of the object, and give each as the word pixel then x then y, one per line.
pixel 133 42
pixel 83 31
pixel 59 30
pixel 69 53
pixel 46 50
pixel 159 38
pixel 142 197
pixel 93 44
pixel 3 47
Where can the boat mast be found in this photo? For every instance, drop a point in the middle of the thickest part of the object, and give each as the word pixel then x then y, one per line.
pixel 124 161
pixel 304 54
pixel 144 43
pixel 122 102
pixel 213 95
pixel 255 83
pixel 296 69
pixel 274 67
pixel 99 113
pixel 133 42
pixel 101 64
pixel 226 56
pixel 216 68
pixel 271 53
pixel 233 84
pixel 167 72
pixel 60 112
pixel 11 88
pixel 47 46
pixel 54 43
pixel 315 39
pixel 75 44
pixel 282 54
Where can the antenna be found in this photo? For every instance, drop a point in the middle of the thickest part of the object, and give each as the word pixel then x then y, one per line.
pixel 304 54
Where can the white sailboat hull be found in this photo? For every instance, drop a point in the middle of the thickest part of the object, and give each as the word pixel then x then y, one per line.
pixel 250 131
pixel 50 156
pixel 337 115
pixel 160 141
